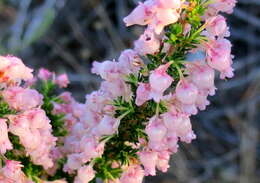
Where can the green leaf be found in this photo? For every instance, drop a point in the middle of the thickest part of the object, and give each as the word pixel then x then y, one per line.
pixel 5 109
pixel 39 26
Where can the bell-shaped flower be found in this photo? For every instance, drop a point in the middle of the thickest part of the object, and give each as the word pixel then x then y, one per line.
pixel 163 18
pixel 130 61
pixel 5 143
pixel 202 101
pixel 62 80
pixel 163 161
pixel 179 124
pixel 12 172
pixel 133 174
pixel 173 4
pixel 91 147
pixel 117 88
pixel 203 77
pixel 85 174
pixel 74 162
pixel 186 92
pixel 142 93
pixel 160 81
pixel 108 70
pixel 217 26
pixel 107 126
pixel 219 56
pixel 22 99
pixel 149 160
pixel 172 141
pixel 45 74
pixel 141 15
pixel 148 43
pixel 225 6
pixel 13 70
pixel 156 130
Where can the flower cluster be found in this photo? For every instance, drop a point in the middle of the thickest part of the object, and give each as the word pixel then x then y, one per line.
pixel 12 70
pixel 12 173
pixel 131 126
pixel 26 130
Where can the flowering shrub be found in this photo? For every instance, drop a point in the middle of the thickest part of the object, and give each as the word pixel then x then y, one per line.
pixel 131 126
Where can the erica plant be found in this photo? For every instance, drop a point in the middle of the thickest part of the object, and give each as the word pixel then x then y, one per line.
pixel 131 126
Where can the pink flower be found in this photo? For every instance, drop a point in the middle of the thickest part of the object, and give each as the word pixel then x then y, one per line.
pixel 173 4
pixel 72 143
pixel 62 80
pixel 108 70
pixel 78 129
pixel 142 93
pixel 149 160
pixel 91 118
pixel 45 74
pixel 219 57
pixel 172 142
pixel 91 147
pixel 148 43
pixel 180 125
pixel 187 28
pixel 166 47
pixel 226 6
pixel 157 14
pixel 5 143
pixel 156 130
pixel 22 99
pixel 85 174
pixel 66 97
pixel 189 109
pixel 13 70
pixel 30 83
pixel 4 63
pixel 107 126
pixel 163 18
pixel 163 161
pixel 217 26
pixel 130 61
pixel 203 77
pixel 133 174
pixel 34 131
pixel 159 81
pixel 117 88
pixel 141 15
pixel 170 119
pixel 202 101
pixel 60 108
pixel 186 92
pixel 74 162
pixel 97 100
pixel 12 171
pixel 114 181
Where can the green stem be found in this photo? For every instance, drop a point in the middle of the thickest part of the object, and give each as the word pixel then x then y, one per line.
pixel 179 71
pixel 105 140
pixel 198 31
pixel 125 114
pixel 1 161
pixel 2 157
pixel 121 108
pixel 37 179
pixel 208 2
pixel 157 109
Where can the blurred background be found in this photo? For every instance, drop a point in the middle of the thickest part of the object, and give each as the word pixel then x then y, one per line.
pixel 68 35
